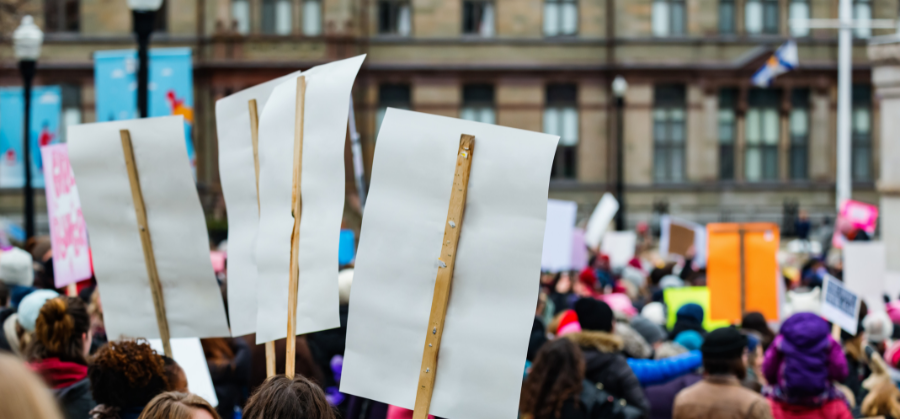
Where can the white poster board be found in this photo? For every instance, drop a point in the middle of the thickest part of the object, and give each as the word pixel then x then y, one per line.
pixel 496 272
pixel 892 284
pixel 840 305
pixel 237 172
pixel 322 187
pixel 864 272
pixel 557 253
pixel 672 243
pixel 601 217
pixel 619 246
pixel 188 353
pixel 176 222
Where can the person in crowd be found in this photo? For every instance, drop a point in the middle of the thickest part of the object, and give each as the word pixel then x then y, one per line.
pixel 800 366
pixel 756 322
pixel 327 346
pixel 657 371
pixel 26 316
pixel 879 329
pixel 175 376
pixel 857 362
pixel 562 296
pixel 280 397
pixel 655 312
pixel 22 394
pixel 635 346
pixel 651 332
pixel 58 352
pixel 720 394
pixel 125 376
pixel 229 361
pixel 688 317
pixel 755 355
pixel 176 405
pixel 662 396
pixel 604 363
pixel 17 272
pixel 4 296
pixel 98 329
pixel 690 339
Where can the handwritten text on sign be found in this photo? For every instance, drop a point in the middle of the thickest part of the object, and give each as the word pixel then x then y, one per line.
pixel 68 235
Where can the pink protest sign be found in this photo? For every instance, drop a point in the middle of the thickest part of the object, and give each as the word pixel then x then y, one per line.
pixel 860 215
pixel 579 250
pixel 68 234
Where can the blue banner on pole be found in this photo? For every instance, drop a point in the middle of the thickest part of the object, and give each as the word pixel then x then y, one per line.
pixel 170 88
pixel 46 107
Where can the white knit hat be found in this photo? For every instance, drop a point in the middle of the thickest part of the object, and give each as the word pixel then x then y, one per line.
pixel 345 280
pixel 17 267
pixel 655 312
pixel 30 307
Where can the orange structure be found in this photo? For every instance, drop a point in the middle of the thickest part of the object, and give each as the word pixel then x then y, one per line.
pixel 742 270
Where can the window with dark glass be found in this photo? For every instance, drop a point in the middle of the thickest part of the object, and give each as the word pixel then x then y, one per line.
pixel 276 17
pixel 61 16
pixel 668 17
pixel 391 96
pixel 727 122
pixel 478 18
pixel 761 16
pixel 762 133
pixel 71 108
pixel 669 114
pixel 726 17
pixel 240 15
pixel 561 118
pixel 861 133
pixel 394 17
pixel 478 103
pixel 799 132
pixel 560 17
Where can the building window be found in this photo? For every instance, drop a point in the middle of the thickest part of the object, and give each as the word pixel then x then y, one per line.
pixel 726 17
pixel 668 133
pixel 727 132
pixel 761 16
pixel 560 17
pixel 799 18
pixel 276 17
pixel 478 103
pixel 799 130
pixel 71 108
pixel 762 119
pixel 61 15
pixel 862 12
pixel 312 17
pixel 561 118
pixel 391 96
pixel 861 129
pixel 668 17
pixel 394 17
pixel 240 15
pixel 478 18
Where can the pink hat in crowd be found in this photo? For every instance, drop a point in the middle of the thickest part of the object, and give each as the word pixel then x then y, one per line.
pixel 619 302
pixel 568 323
pixel 893 311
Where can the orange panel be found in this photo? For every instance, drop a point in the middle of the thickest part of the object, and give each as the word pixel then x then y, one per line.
pixel 761 247
pixel 761 241
pixel 723 271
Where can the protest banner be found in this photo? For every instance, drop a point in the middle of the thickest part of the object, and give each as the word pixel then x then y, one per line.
pixel 601 217
pixel 557 253
pixel 68 235
pixel 742 270
pixel 46 106
pixel 679 236
pixel 675 298
pixel 840 305
pixel 135 182
pixel 865 268
pixel 854 215
pixel 619 246
pixel 580 252
pixel 302 132
pixel 188 353
pixel 406 331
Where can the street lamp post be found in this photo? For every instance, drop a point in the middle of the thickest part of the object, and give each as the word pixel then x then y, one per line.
pixel 27 40
pixel 619 86
pixel 144 15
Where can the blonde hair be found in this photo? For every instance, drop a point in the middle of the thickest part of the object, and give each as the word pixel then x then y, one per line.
pixel 174 405
pixel 23 394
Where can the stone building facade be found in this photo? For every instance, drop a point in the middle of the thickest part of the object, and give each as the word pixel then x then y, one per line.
pixel 699 140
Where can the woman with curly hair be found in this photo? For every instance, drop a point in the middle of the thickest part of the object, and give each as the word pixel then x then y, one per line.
pixel 280 397
pixel 175 405
pixel 58 353
pixel 554 387
pixel 125 376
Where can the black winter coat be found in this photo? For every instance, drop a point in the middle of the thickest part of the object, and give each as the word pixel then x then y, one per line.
pixel 605 365
pixel 76 401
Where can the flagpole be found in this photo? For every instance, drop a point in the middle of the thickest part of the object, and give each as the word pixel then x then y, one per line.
pixel 843 184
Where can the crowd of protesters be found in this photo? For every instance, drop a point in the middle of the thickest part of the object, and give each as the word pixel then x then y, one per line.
pixel 604 345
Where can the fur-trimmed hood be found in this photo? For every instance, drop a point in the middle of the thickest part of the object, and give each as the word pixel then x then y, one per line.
pixel 601 341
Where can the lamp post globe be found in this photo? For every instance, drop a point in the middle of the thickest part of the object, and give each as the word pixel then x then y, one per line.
pixel 143 13
pixel 619 86
pixel 27 41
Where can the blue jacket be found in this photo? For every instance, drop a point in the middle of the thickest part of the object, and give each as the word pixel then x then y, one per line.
pixel 651 372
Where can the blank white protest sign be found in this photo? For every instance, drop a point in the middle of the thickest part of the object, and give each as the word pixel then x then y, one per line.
pixel 557 253
pixel 865 271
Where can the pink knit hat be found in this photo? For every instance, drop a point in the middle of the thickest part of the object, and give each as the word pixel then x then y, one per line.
pixel 568 323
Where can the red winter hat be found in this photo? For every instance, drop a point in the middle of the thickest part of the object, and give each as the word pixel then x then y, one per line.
pixel 588 277
pixel 568 323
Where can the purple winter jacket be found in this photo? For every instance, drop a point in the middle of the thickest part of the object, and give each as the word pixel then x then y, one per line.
pixel 804 358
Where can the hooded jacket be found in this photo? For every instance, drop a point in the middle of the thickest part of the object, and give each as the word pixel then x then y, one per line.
pixel 70 385
pixel 605 365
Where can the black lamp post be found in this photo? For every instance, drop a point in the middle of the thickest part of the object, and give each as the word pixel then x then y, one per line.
pixel 27 40
pixel 619 86
pixel 143 13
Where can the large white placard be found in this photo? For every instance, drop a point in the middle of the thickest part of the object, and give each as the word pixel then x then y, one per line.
pixel 699 243
pixel 840 305
pixel 557 253
pixel 238 174
pixel 188 353
pixel 619 246
pixel 601 217
pixel 327 103
pixel 479 369
pixel 865 272
pixel 177 229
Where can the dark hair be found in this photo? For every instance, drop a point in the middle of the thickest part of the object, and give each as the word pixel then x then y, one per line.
pixel 4 294
pixel 556 376
pixel 657 274
pixel 755 321
pixel 58 331
pixel 280 397
pixel 127 374
pixel 725 366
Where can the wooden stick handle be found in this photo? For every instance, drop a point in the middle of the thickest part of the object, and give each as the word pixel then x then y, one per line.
pixel 72 290
pixel 446 264
pixel 146 244
pixel 297 209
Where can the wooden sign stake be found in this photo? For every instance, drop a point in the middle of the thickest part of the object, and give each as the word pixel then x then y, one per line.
pixel 146 243
pixel 297 201
pixel 254 135
pixel 446 263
